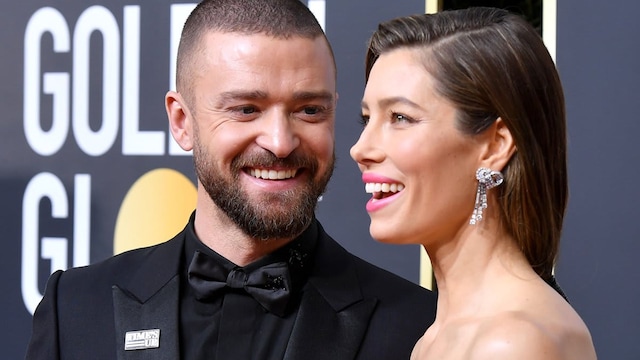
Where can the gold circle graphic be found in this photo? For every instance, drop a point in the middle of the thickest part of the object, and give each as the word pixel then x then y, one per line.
pixel 156 208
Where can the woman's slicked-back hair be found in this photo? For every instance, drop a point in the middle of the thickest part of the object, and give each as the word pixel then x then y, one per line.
pixel 276 18
pixel 491 63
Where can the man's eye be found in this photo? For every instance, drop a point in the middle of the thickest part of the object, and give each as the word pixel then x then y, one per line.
pixel 248 110
pixel 311 110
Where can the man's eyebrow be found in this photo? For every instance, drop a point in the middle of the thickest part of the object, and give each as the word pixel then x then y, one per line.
pixel 235 95
pixel 314 95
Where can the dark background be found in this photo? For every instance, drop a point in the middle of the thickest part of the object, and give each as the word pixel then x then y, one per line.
pixel 599 57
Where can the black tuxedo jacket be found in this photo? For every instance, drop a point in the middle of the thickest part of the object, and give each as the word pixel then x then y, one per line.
pixel 350 309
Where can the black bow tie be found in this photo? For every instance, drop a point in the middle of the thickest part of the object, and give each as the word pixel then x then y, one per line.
pixel 270 284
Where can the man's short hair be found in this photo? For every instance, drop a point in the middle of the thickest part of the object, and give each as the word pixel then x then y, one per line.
pixel 276 18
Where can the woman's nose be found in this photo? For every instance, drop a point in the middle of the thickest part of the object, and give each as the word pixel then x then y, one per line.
pixel 367 148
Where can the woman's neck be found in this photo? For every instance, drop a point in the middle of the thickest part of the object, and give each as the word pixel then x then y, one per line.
pixel 469 269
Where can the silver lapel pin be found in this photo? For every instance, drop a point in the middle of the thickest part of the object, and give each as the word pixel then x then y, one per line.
pixel 142 339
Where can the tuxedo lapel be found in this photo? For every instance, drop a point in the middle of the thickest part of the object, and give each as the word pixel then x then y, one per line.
pixel 150 329
pixel 334 316
pixel 322 333
pixel 149 301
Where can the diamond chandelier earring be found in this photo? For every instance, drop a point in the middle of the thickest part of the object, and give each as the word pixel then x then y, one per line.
pixel 487 179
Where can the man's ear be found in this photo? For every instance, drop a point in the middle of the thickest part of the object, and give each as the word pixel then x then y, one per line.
pixel 500 146
pixel 180 120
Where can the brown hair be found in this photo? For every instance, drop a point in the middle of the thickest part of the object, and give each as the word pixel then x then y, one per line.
pixel 277 18
pixel 490 63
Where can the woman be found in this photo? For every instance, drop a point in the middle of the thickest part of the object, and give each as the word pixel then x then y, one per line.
pixel 464 151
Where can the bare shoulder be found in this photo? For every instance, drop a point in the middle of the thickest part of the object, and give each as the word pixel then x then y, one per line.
pixel 519 335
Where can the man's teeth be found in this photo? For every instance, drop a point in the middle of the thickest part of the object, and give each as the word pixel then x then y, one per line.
pixel 272 174
pixel 371 188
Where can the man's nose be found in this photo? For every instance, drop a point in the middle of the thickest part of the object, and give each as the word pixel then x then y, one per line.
pixel 278 135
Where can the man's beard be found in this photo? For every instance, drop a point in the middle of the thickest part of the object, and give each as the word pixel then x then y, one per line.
pixel 278 215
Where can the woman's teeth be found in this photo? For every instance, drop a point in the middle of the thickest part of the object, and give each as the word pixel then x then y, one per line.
pixel 371 188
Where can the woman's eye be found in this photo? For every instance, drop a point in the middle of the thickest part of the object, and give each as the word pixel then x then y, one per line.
pixel 364 120
pixel 400 117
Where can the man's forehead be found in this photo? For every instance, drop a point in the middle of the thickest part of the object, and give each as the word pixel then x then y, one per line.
pixel 240 46
pixel 231 36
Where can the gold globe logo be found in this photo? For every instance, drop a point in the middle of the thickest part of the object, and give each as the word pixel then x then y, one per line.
pixel 154 210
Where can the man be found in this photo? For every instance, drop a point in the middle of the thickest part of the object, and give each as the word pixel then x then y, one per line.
pixel 253 275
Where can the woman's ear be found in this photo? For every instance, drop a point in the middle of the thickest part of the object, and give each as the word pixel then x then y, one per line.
pixel 180 120
pixel 500 146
